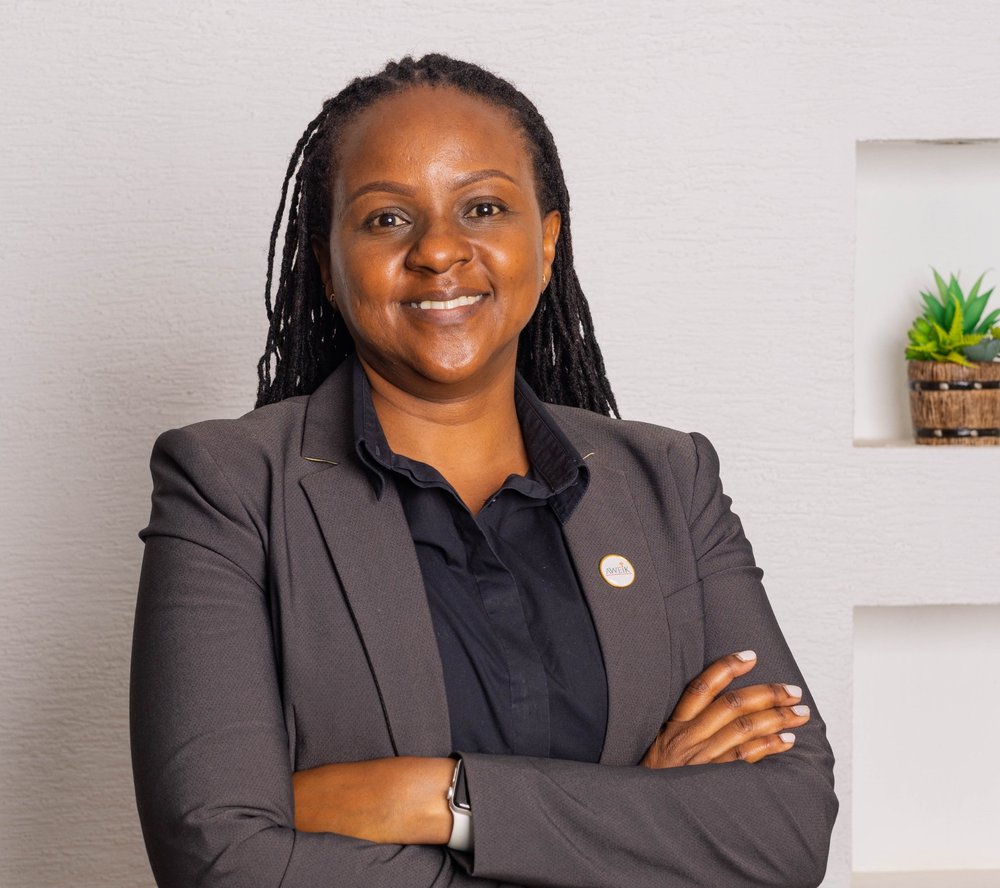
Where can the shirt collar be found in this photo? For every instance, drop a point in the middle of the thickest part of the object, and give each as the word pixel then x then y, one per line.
pixel 550 452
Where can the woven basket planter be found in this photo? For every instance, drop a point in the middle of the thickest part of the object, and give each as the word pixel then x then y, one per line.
pixel 952 404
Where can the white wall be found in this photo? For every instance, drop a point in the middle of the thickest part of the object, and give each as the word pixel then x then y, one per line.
pixel 929 770
pixel 710 150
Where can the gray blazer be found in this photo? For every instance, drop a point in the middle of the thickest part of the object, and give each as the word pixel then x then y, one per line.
pixel 282 624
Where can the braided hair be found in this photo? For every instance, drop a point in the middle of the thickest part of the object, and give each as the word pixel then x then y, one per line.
pixel 306 340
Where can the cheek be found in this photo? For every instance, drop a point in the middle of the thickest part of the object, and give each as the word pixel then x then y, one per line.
pixel 357 269
pixel 364 284
pixel 517 259
pixel 370 326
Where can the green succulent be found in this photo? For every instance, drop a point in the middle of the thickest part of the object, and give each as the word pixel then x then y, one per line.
pixel 941 308
pixel 952 326
pixel 929 341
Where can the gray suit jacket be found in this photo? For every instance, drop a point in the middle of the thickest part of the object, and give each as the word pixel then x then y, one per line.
pixel 282 624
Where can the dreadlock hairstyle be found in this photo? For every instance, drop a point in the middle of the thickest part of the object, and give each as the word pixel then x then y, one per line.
pixel 557 352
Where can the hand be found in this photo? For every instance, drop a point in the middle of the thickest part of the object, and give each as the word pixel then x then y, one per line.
pixel 400 800
pixel 710 726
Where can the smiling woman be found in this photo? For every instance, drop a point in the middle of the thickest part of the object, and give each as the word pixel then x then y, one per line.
pixel 406 624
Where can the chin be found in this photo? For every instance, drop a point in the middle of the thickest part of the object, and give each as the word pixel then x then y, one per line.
pixel 452 374
pixel 460 366
pixel 461 377
pixel 469 365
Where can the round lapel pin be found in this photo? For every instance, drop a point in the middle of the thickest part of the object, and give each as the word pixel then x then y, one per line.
pixel 617 571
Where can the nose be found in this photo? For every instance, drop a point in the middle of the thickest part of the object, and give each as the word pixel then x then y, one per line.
pixel 439 244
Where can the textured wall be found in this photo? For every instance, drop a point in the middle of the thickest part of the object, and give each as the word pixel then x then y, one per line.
pixel 903 648
pixel 710 150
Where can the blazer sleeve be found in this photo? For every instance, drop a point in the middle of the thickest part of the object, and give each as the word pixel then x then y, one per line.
pixel 560 823
pixel 209 746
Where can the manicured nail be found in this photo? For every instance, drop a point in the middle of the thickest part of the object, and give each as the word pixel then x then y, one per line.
pixel 787 737
pixel 793 690
pixel 746 656
pixel 801 709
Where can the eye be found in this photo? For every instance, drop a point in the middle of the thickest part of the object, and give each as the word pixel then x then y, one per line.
pixel 385 219
pixel 485 209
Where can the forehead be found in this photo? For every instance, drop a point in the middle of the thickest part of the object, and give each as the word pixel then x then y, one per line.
pixel 424 132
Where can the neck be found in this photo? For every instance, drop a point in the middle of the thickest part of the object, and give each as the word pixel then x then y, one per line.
pixel 473 438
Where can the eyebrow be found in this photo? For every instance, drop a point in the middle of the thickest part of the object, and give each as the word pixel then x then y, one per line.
pixel 387 185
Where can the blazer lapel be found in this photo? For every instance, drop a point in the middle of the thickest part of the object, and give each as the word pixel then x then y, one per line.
pixel 374 558
pixel 631 622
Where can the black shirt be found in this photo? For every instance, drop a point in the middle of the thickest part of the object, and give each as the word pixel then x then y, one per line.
pixel 522 664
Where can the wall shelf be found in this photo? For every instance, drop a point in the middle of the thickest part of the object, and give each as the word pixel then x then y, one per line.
pixel 919 204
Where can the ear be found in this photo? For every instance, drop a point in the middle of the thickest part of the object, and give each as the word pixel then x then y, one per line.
pixel 321 250
pixel 551 223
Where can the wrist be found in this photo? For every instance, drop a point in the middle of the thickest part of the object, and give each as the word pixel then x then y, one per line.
pixel 398 800
pixel 436 817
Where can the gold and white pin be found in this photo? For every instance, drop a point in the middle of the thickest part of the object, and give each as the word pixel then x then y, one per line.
pixel 617 571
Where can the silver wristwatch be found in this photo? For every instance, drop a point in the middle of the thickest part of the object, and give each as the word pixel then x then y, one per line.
pixel 461 811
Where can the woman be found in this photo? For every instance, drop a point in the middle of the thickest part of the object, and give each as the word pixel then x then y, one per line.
pixel 406 625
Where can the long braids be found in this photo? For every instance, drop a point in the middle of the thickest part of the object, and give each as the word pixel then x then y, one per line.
pixel 557 353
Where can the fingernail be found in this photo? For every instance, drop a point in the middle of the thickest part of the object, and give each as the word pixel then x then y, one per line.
pixel 793 690
pixel 801 709
pixel 787 737
pixel 746 656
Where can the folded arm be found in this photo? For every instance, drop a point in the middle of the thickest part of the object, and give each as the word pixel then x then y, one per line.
pixel 209 745
pixel 551 822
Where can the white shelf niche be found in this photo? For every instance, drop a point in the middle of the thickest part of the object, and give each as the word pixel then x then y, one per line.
pixel 919 204
pixel 926 720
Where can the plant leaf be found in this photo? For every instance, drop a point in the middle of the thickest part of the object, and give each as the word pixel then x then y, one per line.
pixel 990 319
pixel 941 285
pixel 974 309
pixel 985 351
pixel 922 335
pixel 975 286
pixel 935 310
pixel 957 327
pixel 953 300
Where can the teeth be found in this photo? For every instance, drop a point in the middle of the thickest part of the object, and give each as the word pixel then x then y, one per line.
pixel 458 302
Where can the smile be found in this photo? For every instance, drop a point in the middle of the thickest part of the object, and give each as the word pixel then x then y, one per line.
pixel 457 302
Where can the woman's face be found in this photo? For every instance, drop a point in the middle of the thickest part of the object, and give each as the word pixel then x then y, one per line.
pixel 437 245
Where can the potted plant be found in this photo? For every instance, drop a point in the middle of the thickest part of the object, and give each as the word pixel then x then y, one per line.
pixel 954 371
